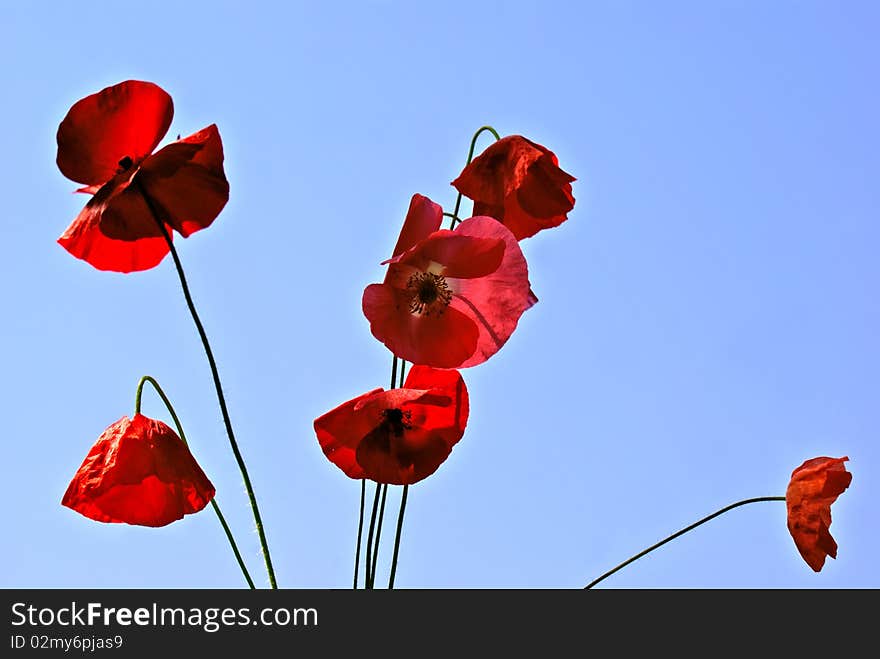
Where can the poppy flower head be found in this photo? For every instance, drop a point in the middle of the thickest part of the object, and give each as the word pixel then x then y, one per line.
pixel 138 472
pixel 814 486
pixel 400 436
pixel 106 142
pixel 450 299
pixel 519 183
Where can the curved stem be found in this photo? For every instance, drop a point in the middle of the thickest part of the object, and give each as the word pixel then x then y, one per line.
pixel 137 410
pixel 216 376
pixel 397 537
pixel 470 157
pixel 678 533
pixel 357 551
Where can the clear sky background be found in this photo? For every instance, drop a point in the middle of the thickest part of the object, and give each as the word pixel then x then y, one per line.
pixel 708 315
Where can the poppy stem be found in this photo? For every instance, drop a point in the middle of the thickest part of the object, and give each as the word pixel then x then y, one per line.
pixel 397 537
pixel 137 410
pixel 678 533
pixel 378 534
pixel 394 380
pixel 470 157
pixel 216 376
pixel 357 551
pixel 371 569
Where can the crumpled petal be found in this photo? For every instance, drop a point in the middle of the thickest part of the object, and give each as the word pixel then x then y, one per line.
pixel 138 472
pixel 124 120
pixel 185 181
pixel 519 183
pixel 814 486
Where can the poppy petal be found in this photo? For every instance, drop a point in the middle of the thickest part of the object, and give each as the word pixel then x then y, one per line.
pixel 814 486
pixel 496 301
pixel 441 340
pixel 138 472
pixel 422 219
pixel 186 182
pixel 459 254
pixel 126 120
pixel 519 183
pixel 402 460
pixel 116 231
pixel 400 436
pixel 340 430
pixel 445 384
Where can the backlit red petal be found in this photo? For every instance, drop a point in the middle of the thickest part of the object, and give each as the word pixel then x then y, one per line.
pixel 814 486
pixel 519 183
pixel 444 340
pixel 494 302
pixel 458 254
pixel 124 120
pixel 422 219
pixel 186 182
pixel 341 429
pixel 138 472
pixel 116 231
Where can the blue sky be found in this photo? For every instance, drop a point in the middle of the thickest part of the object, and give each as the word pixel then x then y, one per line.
pixel 708 316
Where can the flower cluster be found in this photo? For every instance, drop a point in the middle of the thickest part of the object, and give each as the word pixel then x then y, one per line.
pixel 450 300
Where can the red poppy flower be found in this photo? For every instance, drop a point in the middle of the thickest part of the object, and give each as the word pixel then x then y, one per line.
pixel 106 142
pixel 138 472
pixel 519 183
pixel 401 436
pixel 450 299
pixel 814 486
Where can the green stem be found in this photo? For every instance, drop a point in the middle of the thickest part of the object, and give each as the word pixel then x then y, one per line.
pixel 371 569
pixel 678 533
pixel 216 376
pixel 378 534
pixel 470 157
pixel 357 551
pixel 397 537
pixel 137 410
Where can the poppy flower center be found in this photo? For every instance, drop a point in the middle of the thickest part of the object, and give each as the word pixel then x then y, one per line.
pixel 396 420
pixel 430 293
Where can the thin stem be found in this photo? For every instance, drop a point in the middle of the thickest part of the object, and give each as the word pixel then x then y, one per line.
pixel 682 532
pixel 371 569
pixel 378 534
pixel 397 537
pixel 137 410
pixel 357 551
pixel 216 376
pixel 394 380
pixel 470 157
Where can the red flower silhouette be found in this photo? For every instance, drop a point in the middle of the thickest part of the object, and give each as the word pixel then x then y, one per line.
pixel 450 299
pixel 814 486
pixel 106 142
pixel 399 436
pixel 138 472
pixel 519 183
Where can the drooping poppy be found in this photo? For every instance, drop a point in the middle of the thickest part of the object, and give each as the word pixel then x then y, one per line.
pixel 138 472
pixel 519 183
pixel 450 299
pixel 814 486
pixel 106 142
pixel 399 436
